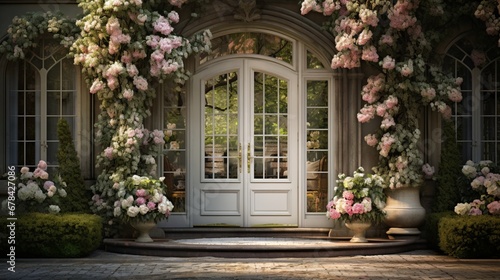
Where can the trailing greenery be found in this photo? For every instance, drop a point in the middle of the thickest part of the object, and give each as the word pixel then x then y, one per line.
pixel 447 187
pixel 53 236
pixel 69 169
pixel 470 236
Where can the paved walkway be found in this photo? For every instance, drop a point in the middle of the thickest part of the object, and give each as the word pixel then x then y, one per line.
pixel 422 264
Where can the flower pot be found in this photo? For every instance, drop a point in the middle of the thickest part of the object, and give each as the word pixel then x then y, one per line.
pixel 359 230
pixel 143 228
pixel 404 213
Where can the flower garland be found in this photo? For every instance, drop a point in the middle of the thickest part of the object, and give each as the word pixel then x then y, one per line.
pixel 125 48
pixel 25 32
pixel 390 36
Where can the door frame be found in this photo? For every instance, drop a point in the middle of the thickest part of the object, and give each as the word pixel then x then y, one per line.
pixel 240 212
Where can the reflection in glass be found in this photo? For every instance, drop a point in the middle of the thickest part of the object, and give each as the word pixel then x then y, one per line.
pixel 317 138
pixel 270 150
pixel 251 43
pixel 221 150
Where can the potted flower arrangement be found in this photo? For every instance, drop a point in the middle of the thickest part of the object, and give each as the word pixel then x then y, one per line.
pixel 141 201
pixel 359 201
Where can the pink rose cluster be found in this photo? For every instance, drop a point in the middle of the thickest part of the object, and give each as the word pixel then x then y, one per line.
pixel 346 205
pixel 164 45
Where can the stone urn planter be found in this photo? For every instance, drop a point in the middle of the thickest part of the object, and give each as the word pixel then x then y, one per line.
pixel 359 230
pixel 404 213
pixel 143 228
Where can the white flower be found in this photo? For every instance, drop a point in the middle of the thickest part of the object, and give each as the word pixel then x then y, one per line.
pixel 157 197
pixel 132 211
pixel 462 208
pixel 54 209
pixel 40 196
pixel 125 203
pixel 117 211
pixel 469 171
pixel 143 209
pixel 62 192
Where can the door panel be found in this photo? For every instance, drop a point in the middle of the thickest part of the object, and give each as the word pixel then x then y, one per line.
pixel 242 155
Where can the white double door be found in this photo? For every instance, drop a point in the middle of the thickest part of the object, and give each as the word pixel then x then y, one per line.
pixel 243 144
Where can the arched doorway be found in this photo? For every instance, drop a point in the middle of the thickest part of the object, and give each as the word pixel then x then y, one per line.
pixel 255 128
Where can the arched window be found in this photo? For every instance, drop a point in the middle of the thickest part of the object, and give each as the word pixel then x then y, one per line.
pixel 477 117
pixel 41 89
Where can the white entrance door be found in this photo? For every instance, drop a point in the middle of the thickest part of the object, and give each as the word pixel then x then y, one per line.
pixel 243 144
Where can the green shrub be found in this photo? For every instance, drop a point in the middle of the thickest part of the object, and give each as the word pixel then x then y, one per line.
pixel 447 187
pixel 470 236
pixel 50 235
pixel 431 228
pixel 69 169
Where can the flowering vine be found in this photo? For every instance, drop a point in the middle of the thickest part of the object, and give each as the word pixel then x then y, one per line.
pixel 125 48
pixel 389 36
pixel 25 32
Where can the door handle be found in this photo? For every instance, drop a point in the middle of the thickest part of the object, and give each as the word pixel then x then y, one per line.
pixel 248 158
pixel 240 166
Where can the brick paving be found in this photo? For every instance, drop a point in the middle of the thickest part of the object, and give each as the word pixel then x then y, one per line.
pixel 421 264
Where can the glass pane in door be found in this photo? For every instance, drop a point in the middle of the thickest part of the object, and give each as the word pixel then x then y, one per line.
pixel 221 149
pixel 270 124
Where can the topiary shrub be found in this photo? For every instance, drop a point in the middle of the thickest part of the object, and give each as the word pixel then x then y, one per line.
pixel 470 236
pixel 53 236
pixel 447 187
pixel 78 197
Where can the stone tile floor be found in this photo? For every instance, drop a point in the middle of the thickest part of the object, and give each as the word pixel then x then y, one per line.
pixel 420 264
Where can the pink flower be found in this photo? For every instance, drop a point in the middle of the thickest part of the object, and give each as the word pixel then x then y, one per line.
pixel 163 26
pixel 48 184
pixel 370 54
pixel 151 205
pixel 475 211
pixel 428 93
pixel 132 70
pixel 173 16
pixel 455 95
pixel 391 101
pixel 97 85
pixel 494 208
pixel 140 201
pixel 386 39
pixel 407 69
pixel 366 113
pixel 371 140
pixel 358 208
pixel 177 3
pixel 128 94
pixel 388 63
pixel 348 195
pixel 141 192
pixel 364 37
pixel 381 110
pixel 140 83
pixel 42 165
pixel 368 16
pixel 108 152
pixel 387 122
pixel 333 214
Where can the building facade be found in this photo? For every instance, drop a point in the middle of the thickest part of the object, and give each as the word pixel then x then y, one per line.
pixel 264 125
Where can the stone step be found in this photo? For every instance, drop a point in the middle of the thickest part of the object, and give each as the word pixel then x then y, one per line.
pixel 226 232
